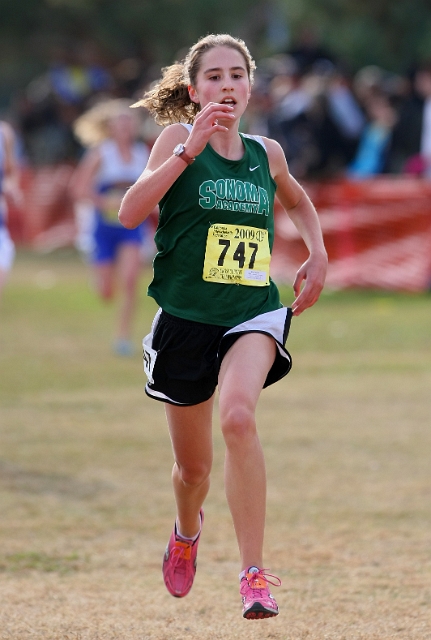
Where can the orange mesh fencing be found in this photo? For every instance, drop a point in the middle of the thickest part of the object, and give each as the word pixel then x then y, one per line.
pixel 46 219
pixel 377 234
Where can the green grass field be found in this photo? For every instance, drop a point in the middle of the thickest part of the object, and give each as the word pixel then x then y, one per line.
pixel 85 496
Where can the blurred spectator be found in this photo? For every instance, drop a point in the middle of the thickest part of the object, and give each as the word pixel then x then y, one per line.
pixel 318 121
pixel 367 82
pixel 344 107
pixel 289 99
pixel 308 50
pixel 372 154
pixel 54 100
pixel 274 79
pixel 77 73
pixel 327 123
pixel 372 80
pixel 128 76
pixel 411 142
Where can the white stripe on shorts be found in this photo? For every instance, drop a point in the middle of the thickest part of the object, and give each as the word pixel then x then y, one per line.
pixel 272 323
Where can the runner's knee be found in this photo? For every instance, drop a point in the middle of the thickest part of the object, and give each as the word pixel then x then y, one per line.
pixel 237 422
pixel 194 474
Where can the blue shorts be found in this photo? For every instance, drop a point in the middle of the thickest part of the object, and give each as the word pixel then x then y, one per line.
pixel 109 237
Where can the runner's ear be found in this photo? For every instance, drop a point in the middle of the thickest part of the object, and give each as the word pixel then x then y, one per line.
pixel 193 94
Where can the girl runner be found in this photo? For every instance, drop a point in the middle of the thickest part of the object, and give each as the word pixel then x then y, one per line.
pixel 220 321
pixel 9 187
pixel 115 159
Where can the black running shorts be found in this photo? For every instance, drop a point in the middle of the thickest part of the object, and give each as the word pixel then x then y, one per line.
pixel 182 358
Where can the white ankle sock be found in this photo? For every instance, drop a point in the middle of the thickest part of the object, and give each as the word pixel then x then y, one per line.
pixel 180 535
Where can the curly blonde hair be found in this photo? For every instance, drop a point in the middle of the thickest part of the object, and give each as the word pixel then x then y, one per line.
pixel 93 126
pixel 169 101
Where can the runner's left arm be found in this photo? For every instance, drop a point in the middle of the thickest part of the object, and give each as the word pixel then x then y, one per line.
pixel 310 277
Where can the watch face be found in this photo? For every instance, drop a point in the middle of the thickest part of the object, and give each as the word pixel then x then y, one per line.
pixel 179 149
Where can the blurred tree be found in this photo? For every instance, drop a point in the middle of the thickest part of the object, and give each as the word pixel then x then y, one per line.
pixel 33 31
pixel 391 34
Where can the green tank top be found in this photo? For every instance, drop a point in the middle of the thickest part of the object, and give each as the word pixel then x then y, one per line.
pixel 235 199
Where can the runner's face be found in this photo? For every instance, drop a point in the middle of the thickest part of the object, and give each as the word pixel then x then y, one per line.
pixel 123 127
pixel 222 78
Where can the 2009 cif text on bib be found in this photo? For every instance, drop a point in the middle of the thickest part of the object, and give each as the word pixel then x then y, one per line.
pixel 237 254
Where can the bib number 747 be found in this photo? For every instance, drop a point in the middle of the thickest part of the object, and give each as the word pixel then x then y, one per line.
pixel 237 254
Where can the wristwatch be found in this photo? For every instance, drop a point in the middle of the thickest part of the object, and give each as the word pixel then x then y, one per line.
pixel 180 151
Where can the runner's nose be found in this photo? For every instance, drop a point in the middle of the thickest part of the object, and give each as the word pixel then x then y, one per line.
pixel 227 84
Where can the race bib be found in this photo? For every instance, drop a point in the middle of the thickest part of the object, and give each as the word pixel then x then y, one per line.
pixel 111 196
pixel 236 254
pixel 111 204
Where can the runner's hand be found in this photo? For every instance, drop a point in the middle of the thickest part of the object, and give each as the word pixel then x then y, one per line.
pixel 312 275
pixel 206 124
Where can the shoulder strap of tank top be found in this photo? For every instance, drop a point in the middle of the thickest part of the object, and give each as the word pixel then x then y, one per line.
pixel 258 139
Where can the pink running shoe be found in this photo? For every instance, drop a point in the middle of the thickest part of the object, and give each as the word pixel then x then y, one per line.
pixel 179 563
pixel 256 598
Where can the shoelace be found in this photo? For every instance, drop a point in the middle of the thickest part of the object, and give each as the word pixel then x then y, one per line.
pixel 262 575
pixel 181 552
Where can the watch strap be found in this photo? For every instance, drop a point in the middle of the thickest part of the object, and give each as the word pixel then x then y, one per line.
pixel 185 156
